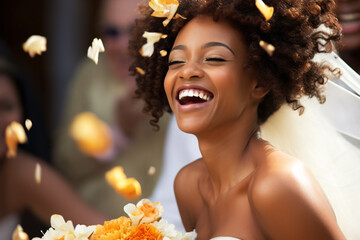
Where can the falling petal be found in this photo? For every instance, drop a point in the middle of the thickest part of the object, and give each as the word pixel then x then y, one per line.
pixel 140 71
pixel 14 134
pixel 28 124
pixel 19 234
pixel 269 48
pixel 38 173
pixel 92 135
pixel 163 53
pixel 94 50
pixel 151 170
pixel 164 8
pixel 179 16
pixel 128 187
pixel 35 44
pixel 265 10
pixel 147 49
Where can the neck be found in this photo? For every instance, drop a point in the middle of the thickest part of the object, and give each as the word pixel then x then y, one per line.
pixel 224 151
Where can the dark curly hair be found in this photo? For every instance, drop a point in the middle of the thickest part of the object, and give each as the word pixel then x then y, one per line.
pixel 289 73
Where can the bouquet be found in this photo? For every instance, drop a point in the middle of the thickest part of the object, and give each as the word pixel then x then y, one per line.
pixel 144 222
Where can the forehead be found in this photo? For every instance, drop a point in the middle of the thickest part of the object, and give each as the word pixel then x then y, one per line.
pixel 203 29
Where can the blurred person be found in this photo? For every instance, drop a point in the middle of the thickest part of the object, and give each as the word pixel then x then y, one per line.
pixel 348 12
pixel 107 90
pixel 18 188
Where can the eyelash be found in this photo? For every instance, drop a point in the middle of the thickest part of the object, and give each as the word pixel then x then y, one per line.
pixel 215 59
pixel 175 62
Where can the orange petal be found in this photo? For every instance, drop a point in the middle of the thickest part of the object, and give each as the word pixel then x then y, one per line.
pixel 14 134
pixel 128 187
pixel 265 10
pixel 92 135
pixel 140 71
pixel 163 53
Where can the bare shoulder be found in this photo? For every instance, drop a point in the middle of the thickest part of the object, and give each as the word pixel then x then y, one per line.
pixel 186 192
pixel 289 203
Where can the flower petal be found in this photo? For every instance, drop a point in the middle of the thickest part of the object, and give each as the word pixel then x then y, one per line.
pixel 265 10
pixel 95 49
pixel 14 134
pixel 269 48
pixel 35 44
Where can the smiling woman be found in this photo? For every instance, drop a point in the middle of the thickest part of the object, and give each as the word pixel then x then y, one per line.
pixel 222 85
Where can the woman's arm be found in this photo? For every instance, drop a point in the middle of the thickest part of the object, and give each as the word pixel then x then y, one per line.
pixel 52 196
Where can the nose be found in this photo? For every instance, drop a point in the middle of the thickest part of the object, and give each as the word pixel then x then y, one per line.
pixel 191 70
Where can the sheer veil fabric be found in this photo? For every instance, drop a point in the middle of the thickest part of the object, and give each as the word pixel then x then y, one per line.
pixel 327 139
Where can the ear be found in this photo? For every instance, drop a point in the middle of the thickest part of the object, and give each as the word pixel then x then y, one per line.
pixel 259 91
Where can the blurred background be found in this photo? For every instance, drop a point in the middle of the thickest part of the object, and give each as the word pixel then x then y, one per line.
pixel 69 27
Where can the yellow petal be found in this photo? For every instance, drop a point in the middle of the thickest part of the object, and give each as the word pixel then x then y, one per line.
pixel 179 16
pixel 128 187
pixel 265 10
pixel 28 124
pixel 14 134
pixel 38 173
pixel 140 71
pixel 19 234
pixel 94 50
pixel 163 53
pixel 92 135
pixel 35 44
pixel 269 48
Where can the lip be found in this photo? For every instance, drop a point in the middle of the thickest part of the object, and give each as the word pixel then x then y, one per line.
pixel 193 106
pixel 350 20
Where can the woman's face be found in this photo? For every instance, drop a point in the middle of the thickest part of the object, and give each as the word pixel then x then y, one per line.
pixel 206 84
pixel 348 12
pixel 10 108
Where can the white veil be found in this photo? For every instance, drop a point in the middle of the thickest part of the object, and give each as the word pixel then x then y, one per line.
pixel 327 139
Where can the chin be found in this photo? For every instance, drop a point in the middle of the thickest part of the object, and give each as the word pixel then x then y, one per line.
pixel 191 126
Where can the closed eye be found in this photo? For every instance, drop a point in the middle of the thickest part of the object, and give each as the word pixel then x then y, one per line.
pixel 175 62
pixel 215 59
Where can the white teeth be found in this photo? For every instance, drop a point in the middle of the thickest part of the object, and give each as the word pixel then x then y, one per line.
pixel 191 93
pixel 194 93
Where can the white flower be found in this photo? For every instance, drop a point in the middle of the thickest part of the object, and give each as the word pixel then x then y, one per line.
pixel 170 233
pixel 83 232
pixel 145 211
pixel 61 229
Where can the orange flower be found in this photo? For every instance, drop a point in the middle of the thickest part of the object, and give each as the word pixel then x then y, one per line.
pixel 145 231
pixel 164 8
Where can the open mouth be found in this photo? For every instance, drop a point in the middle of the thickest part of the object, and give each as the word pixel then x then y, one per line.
pixel 350 22
pixel 194 96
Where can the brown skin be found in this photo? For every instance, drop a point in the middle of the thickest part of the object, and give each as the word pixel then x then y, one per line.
pixel 348 12
pixel 17 176
pixel 242 187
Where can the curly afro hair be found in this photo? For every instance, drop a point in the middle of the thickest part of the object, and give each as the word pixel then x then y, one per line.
pixel 294 30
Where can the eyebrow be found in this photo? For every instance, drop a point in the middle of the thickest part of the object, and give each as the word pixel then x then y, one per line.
pixel 215 44
pixel 207 45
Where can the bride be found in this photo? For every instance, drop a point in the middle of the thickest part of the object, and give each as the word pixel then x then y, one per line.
pixel 222 86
